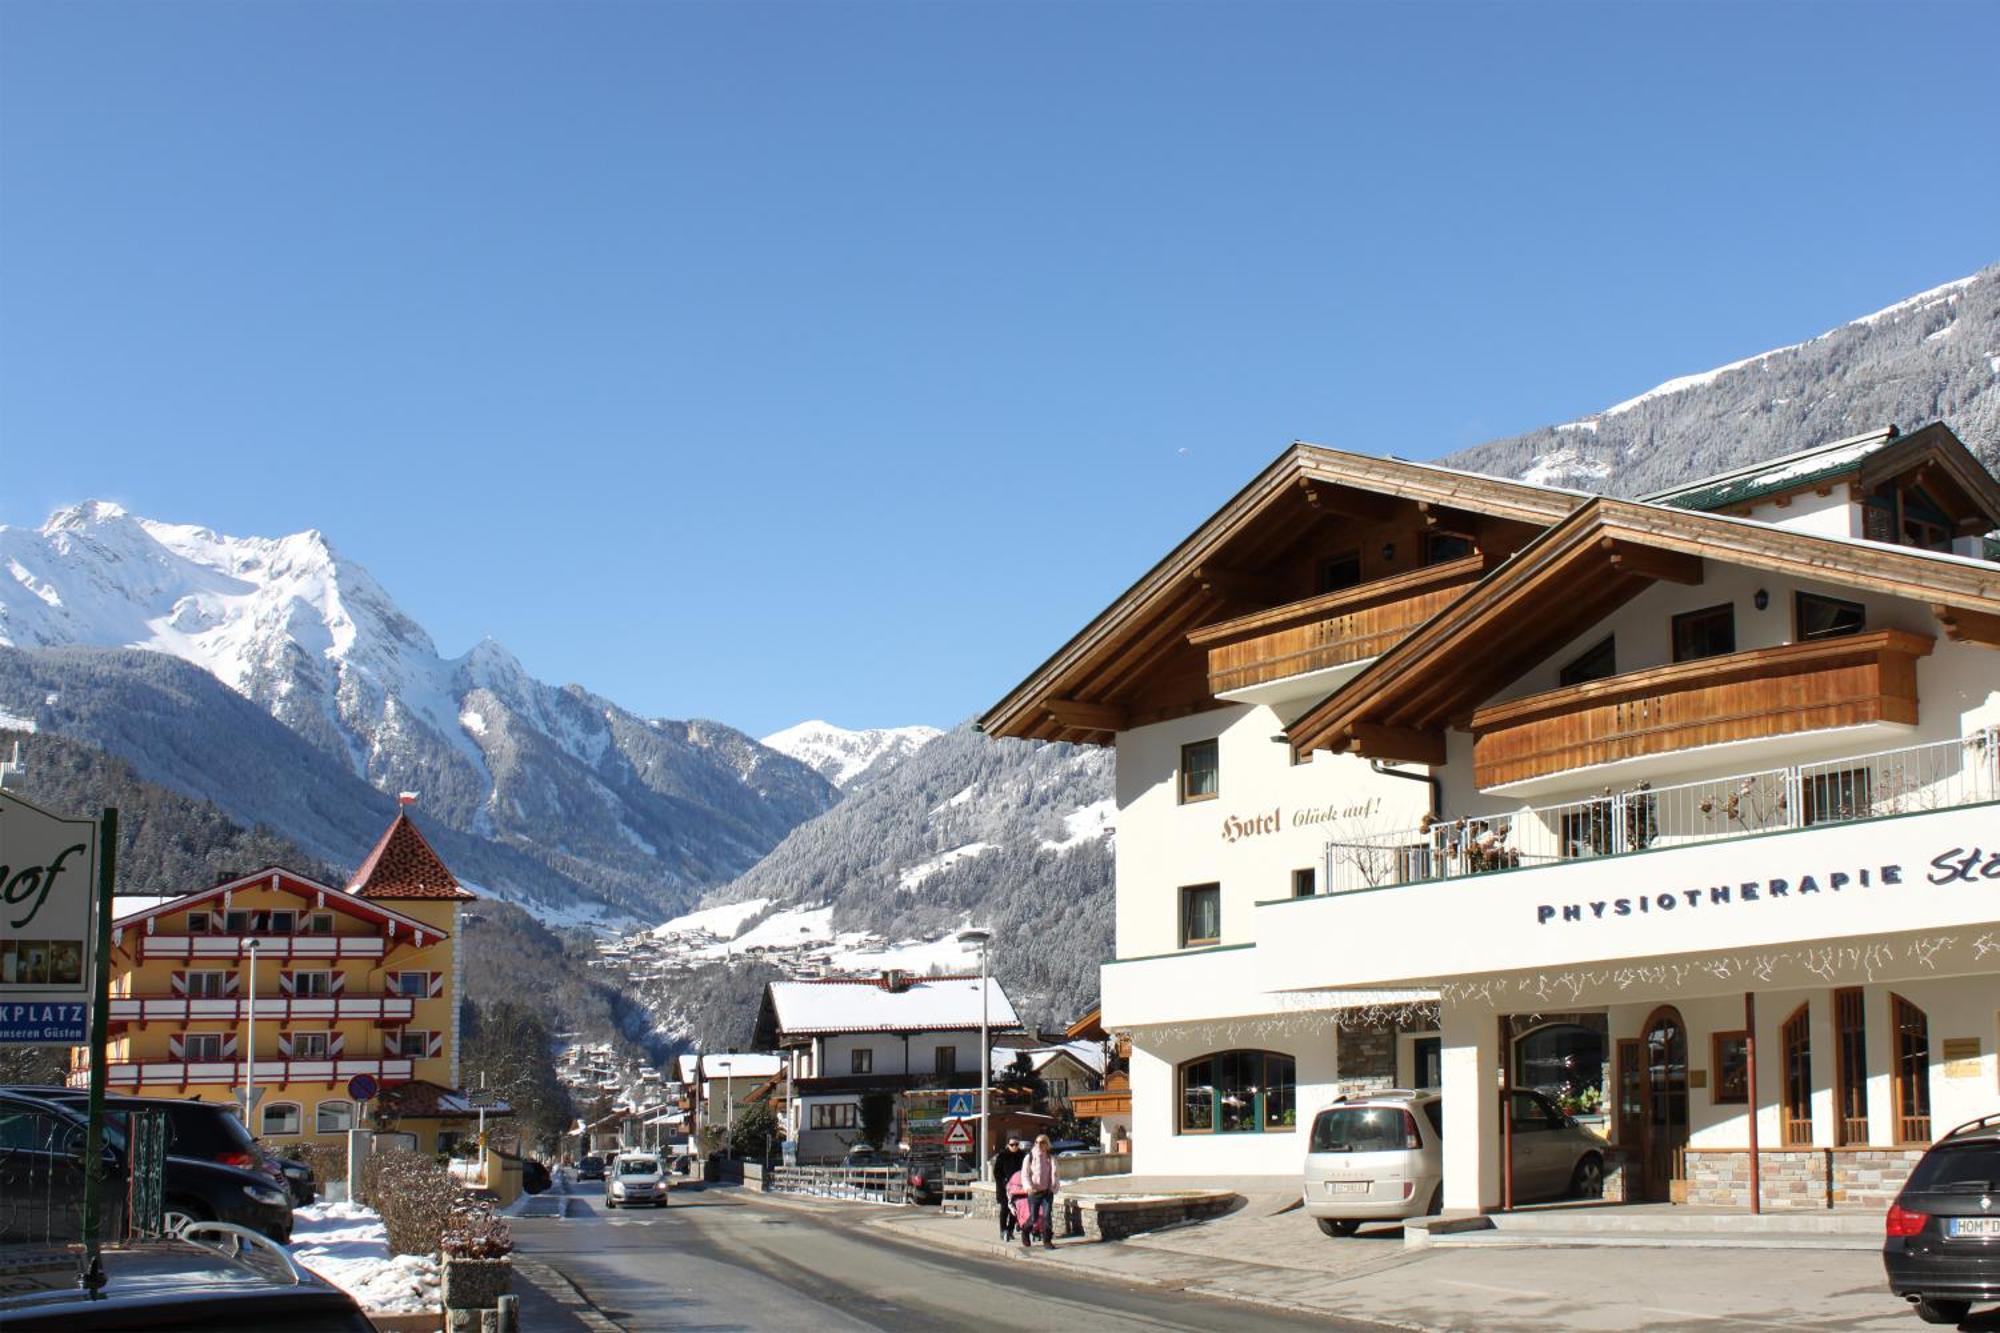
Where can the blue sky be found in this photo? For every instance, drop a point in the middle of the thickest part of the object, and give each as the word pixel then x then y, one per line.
pixel 761 362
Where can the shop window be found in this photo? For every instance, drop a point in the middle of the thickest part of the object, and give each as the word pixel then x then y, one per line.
pixel 946 1060
pixel 861 1061
pixel 1565 1063
pixel 333 1117
pixel 1201 772
pixel 1238 1092
pixel 1832 797
pixel 1442 547
pixel 1795 1112
pixel 833 1115
pixel 1593 663
pixel 1816 617
pixel 1340 571
pixel 1850 1046
pixel 1709 632
pixel 1911 1075
pixel 1729 1069
pixel 283 1118
pixel 1304 881
pixel 1201 914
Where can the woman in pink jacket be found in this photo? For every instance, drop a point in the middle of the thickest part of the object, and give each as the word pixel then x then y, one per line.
pixel 1038 1177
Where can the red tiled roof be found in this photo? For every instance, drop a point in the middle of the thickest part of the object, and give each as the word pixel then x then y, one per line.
pixel 404 866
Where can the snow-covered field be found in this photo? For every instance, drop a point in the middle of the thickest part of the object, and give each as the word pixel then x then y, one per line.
pixel 346 1244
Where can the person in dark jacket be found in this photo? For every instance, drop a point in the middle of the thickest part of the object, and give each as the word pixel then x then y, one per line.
pixel 1005 1163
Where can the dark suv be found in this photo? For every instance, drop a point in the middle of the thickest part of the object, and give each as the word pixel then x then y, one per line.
pixel 42 1169
pixel 1942 1251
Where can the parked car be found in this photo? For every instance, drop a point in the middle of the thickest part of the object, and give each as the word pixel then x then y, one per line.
pixel 217 1279
pixel 297 1176
pixel 636 1178
pixel 1379 1157
pixel 41 1167
pixel 1942 1242
pixel 206 1131
pixel 590 1168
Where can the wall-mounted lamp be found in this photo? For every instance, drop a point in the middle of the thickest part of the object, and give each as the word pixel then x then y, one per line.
pixel 1761 600
pixel 1388 552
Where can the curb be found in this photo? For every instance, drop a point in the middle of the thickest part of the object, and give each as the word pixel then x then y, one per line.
pixel 564 1293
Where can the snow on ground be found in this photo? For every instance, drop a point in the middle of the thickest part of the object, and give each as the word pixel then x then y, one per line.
pixel 1563 464
pixel 724 920
pixel 913 956
pixel 346 1244
pixel 787 929
pixel 913 878
pixel 1082 825
pixel 11 722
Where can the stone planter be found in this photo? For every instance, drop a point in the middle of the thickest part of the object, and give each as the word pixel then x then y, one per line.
pixel 475 1284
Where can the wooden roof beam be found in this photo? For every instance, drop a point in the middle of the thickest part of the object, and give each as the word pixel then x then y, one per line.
pixel 1347 502
pixel 1232 585
pixel 1086 716
pixel 1439 517
pixel 1648 562
pixel 1398 744
pixel 1960 626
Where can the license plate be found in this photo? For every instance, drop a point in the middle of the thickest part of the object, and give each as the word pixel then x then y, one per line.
pixel 1975 1226
pixel 1347 1186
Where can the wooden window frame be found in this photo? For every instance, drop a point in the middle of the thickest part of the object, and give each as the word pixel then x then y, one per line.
pixel 1702 613
pixel 1716 1064
pixel 291 916
pixel 1905 1083
pixel 1186 918
pixel 201 922
pixel 1850 1067
pixel 1194 798
pixel 1320 581
pixel 944 1061
pixel 861 1060
pixel 313 926
pixel 1795 1123
pixel 326 1041
pixel 833 1115
pixel 221 983
pixel 1570 674
pixel 299 981
pixel 1433 540
pixel 187 1048
pixel 1799 601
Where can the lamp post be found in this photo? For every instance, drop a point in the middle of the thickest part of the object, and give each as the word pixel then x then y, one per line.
pixel 728 1100
pixel 981 936
pixel 250 1042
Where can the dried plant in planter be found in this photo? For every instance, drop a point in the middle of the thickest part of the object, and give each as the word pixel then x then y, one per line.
pixel 475 1231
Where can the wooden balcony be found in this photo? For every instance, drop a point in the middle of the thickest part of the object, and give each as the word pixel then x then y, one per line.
pixel 269 947
pixel 1335 629
pixel 1765 692
pixel 277 1008
pixel 122 1074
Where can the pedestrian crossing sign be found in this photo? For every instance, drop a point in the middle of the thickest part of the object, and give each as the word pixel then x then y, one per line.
pixel 959 1103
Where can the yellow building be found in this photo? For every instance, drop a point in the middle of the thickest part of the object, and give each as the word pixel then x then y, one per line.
pixel 322 984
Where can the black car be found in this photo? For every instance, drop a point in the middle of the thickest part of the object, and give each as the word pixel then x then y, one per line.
pixel 1942 1251
pixel 41 1176
pixel 175 1286
pixel 208 1131
pixel 590 1168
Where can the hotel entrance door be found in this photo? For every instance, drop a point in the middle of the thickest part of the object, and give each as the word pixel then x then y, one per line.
pixel 1653 1103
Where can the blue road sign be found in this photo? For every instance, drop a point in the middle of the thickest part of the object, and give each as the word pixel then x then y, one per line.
pixel 960 1103
pixel 43 1023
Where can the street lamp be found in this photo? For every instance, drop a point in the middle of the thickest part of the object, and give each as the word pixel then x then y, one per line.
pixel 729 1102
pixel 250 1040
pixel 981 936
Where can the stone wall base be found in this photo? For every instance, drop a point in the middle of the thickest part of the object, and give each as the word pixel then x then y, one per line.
pixel 1816 1178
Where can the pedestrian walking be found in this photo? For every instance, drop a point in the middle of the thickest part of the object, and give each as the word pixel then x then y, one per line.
pixel 1038 1177
pixel 1006 1165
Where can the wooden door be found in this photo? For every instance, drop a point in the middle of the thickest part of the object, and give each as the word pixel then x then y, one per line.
pixel 1630 1123
pixel 1666 1099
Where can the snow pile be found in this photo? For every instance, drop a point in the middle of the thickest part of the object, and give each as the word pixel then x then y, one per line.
pixel 346 1244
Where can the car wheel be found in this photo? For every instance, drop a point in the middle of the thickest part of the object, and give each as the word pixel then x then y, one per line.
pixel 1339 1226
pixel 1587 1181
pixel 1942 1312
pixel 177 1213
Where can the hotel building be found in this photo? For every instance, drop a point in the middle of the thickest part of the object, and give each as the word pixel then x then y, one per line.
pixel 1681 811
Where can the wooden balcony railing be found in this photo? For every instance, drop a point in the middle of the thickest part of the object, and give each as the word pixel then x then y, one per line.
pixel 230 1071
pixel 269 947
pixel 333 1008
pixel 1335 629
pixel 1844 682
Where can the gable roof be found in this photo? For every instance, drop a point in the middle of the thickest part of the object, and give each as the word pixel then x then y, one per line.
pixel 1152 617
pixel 733 1065
pixel 318 896
pixel 404 866
pixel 1578 572
pixel 863 1004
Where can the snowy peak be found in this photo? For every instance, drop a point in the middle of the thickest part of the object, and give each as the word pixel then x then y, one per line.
pixel 848 758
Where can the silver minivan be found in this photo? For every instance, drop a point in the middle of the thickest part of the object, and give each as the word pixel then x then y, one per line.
pixel 1379 1157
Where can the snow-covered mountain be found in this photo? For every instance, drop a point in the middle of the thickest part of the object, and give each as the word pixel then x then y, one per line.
pixel 645 812
pixel 848 758
pixel 1933 356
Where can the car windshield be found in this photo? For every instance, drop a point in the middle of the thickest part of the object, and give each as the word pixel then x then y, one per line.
pixel 1954 1167
pixel 1362 1129
pixel 638 1166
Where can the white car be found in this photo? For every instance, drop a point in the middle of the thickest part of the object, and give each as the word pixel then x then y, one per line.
pixel 635 1179
pixel 1379 1157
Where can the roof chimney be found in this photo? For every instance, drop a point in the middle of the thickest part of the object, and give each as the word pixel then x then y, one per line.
pixel 895 980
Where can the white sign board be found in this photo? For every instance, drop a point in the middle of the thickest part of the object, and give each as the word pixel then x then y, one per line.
pixel 48 918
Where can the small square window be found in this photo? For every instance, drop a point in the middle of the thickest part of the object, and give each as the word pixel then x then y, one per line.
pixel 282 1118
pixel 202 1047
pixel 861 1061
pixel 947 1059
pixel 236 923
pixel 1201 914
pixel 1816 617
pixel 283 923
pixel 1303 882
pixel 1709 632
pixel 1201 775
pixel 333 1117
pixel 1593 663
pixel 1340 571
pixel 319 923
pixel 198 923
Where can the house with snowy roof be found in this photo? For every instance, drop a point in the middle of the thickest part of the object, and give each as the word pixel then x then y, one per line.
pixel 847 1041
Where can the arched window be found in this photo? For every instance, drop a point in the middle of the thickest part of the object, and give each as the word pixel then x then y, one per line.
pixel 334 1117
pixel 282 1118
pixel 1795 1041
pixel 1565 1061
pixel 1238 1092
pixel 1911 1072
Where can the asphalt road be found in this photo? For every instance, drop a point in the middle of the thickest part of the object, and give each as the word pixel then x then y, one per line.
pixel 717 1259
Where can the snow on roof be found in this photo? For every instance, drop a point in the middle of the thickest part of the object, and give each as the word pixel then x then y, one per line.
pixel 926 1004
pixel 735 1065
pixel 1089 1054
pixel 688 1065
pixel 1744 483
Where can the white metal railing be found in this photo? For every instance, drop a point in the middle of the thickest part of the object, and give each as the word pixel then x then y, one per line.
pixel 1938 776
pixel 873 1184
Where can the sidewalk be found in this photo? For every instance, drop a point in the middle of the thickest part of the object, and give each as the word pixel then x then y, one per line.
pixel 1283 1261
